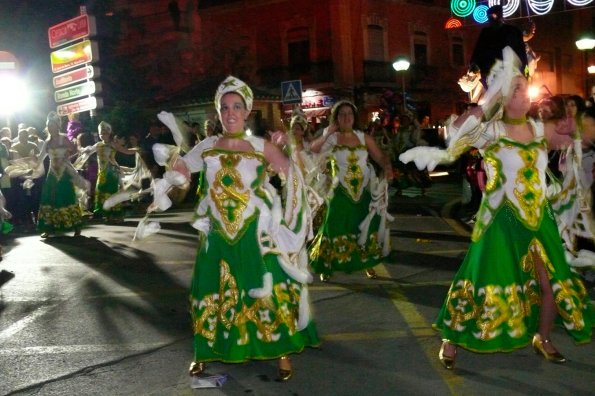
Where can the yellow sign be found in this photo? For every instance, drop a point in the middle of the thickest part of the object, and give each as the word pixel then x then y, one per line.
pixel 74 55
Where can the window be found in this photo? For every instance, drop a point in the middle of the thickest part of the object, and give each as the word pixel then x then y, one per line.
pixel 298 50
pixel 458 53
pixel 420 48
pixel 375 43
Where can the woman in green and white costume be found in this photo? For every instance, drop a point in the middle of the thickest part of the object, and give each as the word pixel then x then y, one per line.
pixel 59 209
pixel 354 235
pixel 248 295
pixel 109 175
pixel 514 281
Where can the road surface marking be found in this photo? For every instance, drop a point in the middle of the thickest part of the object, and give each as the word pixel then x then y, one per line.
pixel 58 349
pixel 419 327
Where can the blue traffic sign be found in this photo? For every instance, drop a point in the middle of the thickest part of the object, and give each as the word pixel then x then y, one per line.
pixel 291 91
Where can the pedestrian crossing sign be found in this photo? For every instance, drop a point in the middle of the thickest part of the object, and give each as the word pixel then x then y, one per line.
pixel 291 91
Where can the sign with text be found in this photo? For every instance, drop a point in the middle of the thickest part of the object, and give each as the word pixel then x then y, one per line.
pixel 76 28
pixel 76 91
pixel 74 55
pixel 8 62
pixel 84 73
pixel 78 106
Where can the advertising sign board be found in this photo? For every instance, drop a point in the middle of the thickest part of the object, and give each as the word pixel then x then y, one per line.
pixel 74 76
pixel 78 106
pixel 74 55
pixel 76 91
pixel 73 29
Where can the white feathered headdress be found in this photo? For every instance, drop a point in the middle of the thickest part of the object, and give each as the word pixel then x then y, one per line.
pixel 504 71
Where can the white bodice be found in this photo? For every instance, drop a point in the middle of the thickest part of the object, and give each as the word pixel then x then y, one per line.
pixel 515 174
pixel 58 158
pixel 352 167
pixel 234 181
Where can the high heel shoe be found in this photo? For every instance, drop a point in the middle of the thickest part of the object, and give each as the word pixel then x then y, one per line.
pixel 285 373
pixel 196 368
pixel 447 361
pixel 371 274
pixel 538 346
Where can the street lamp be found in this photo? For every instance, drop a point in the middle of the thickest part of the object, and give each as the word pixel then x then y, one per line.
pixel 586 43
pixel 401 64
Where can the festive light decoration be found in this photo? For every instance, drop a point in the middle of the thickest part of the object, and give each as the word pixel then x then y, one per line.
pixel 509 8
pixel 480 14
pixel 462 8
pixel 540 7
pixel 579 3
pixel 453 23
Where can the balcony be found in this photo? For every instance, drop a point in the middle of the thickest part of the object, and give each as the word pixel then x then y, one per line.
pixel 378 72
pixel 314 73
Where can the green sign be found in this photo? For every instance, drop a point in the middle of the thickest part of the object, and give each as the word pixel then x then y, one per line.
pixel 76 91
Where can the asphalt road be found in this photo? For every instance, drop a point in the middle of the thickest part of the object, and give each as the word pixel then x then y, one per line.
pixel 101 314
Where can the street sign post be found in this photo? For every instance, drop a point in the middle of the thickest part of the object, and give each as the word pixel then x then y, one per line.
pixel 82 74
pixel 8 62
pixel 76 91
pixel 78 106
pixel 74 29
pixel 291 91
pixel 74 55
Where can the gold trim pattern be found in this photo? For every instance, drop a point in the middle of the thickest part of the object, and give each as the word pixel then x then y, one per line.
pixel 532 195
pixel 354 176
pixel 227 193
pixel 229 309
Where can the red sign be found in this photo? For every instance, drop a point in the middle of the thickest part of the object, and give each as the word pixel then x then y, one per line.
pixel 8 62
pixel 78 106
pixel 74 76
pixel 66 32
pixel 73 55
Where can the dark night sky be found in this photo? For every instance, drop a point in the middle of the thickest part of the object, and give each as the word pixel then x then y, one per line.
pixel 23 31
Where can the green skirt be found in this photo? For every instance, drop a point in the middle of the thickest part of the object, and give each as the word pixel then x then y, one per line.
pixel 494 300
pixel 228 324
pixel 108 183
pixel 335 247
pixel 59 210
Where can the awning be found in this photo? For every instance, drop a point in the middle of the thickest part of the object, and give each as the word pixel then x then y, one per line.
pixel 316 112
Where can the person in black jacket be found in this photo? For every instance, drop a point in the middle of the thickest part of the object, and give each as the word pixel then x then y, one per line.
pixel 493 39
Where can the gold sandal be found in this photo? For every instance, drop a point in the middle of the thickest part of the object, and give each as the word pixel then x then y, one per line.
pixel 539 348
pixel 284 373
pixel 196 368
pixel 447 361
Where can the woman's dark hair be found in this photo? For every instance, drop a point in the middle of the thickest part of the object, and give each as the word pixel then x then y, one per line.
pixel 579 102
pixel 556 105
pixel 589 112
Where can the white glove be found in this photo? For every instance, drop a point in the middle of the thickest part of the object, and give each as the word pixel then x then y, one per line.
pixel 426 157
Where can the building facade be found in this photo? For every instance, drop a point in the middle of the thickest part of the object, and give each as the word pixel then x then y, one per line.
pixel 337 48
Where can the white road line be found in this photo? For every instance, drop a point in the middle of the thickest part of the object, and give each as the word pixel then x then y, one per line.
pixel 21 324
pixel 57 349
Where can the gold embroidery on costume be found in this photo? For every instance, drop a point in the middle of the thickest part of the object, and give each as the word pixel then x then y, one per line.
pixel 65 217
pixel 494 182
pixel 340 249
pixel 465 309
pixel 531 195
pixel 569 303
pixel 222 308
pixel 354 176
pixel 227 193
pixel 496 306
